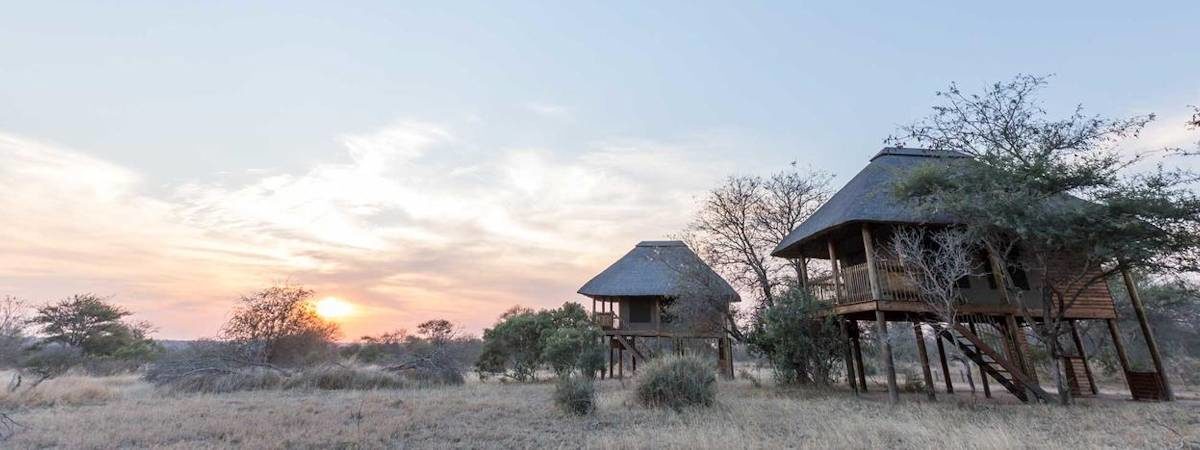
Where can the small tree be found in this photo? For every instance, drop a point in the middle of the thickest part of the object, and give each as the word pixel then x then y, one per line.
pixel 740 222
pixel 524 341
pixel 935 262
pixel 803 343
pixel 280 325
pixel 13 326
pixel 94 326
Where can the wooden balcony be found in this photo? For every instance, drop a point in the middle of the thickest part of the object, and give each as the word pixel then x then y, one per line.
pixel 605 320
pixel 853 285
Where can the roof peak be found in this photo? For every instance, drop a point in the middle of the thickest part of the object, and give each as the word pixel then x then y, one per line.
pixel 661 244
pixel 917 152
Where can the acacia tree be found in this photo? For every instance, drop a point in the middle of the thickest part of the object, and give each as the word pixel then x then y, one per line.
pixel 94 326
pixel 1053 197
pixel 279 325
pixel 740 222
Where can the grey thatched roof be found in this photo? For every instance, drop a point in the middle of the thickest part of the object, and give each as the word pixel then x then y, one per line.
pixel 866 198
pixel 659 268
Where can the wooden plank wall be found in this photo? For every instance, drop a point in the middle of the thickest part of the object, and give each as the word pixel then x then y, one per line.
pixel 1095 301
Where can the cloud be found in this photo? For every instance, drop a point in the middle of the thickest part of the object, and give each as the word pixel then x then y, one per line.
pixel 407 220
pixel 548 110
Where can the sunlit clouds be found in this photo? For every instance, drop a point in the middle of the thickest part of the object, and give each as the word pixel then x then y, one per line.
pixel 410 220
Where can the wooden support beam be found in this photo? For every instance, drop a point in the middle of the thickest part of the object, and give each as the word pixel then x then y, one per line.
pixel 1151 343
pixel 987 391
pixel 621 362
pixel 610 359
pixel 834 271
pixel 1122 357
pixel 634 356
pixel 803 272
pixel 1087 369
pixel 858 359
pixel 945 367
pixel 872 266
pixel 847 356
pixel 886 355
pixel 924 355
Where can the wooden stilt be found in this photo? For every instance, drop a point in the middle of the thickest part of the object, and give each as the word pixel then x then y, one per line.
pixel 621 362
pixel 987 391
pixel 847 356
pixel 877 294
pixel 886 355
pixel 610 358
pixel 1151 343
pixel 1122 357
pixel 1083 356
pixel 924 355
pixel 858 359
pixel 945 367
pixel 633 354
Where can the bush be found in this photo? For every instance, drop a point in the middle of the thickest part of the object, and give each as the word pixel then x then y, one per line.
pixel 575 394
pixel 803 344
pixel 215 381
pixel 344 378
pixel 677 382
pixel 524 341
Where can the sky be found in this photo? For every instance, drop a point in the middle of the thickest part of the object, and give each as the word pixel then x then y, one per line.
pixel 453 159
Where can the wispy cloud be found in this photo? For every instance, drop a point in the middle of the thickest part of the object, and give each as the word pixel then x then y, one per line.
pixel 408 220
pixel 548 110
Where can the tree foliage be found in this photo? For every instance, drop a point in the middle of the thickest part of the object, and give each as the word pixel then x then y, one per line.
pixel 524 341
pixel 803 344
pixel 94 326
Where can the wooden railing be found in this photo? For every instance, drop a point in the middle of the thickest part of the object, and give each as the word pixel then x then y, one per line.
pixel 605 320
pixel 855 285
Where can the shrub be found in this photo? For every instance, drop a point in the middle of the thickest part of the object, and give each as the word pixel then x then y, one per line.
pixel 575 394
pixel 223 381
pixel 524 341
pixel 803 344
pixel 342 378
pixel 677 382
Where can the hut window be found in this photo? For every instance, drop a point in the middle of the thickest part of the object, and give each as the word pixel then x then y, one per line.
pixel 640 312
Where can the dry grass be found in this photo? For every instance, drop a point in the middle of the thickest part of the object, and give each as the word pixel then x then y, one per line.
pixel 130 414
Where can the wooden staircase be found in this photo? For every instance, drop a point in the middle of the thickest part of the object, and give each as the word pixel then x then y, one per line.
pixel 997 366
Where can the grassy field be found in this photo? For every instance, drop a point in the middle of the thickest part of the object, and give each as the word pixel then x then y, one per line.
pixel 124 412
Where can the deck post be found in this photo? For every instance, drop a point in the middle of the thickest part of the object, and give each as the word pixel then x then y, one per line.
pixel 1122 357
pixel 987 391
pixel 1140 311
pixel 803 272
pixel 847 356
pixel 858 359
pixel 886 355
pixel 834 271
pixel 610 358
pixel 945 367
pixel 1083 356
pixel 633 354
pixel 872 269
pixel 923 353
pixel 621 362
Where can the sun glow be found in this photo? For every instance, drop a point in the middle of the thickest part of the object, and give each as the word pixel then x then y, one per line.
pixel 333 308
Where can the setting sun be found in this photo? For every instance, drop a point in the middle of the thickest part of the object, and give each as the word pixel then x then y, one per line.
pixel 333 308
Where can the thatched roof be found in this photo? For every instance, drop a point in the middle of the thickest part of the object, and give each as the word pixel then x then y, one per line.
pixel 660 269
pixel 866 198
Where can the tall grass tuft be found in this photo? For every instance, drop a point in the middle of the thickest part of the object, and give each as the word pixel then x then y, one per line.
pixel 677 382
pixel 575 394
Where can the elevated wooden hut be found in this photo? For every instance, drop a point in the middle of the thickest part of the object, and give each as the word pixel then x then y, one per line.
pixel 660 297
pixel 863 284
